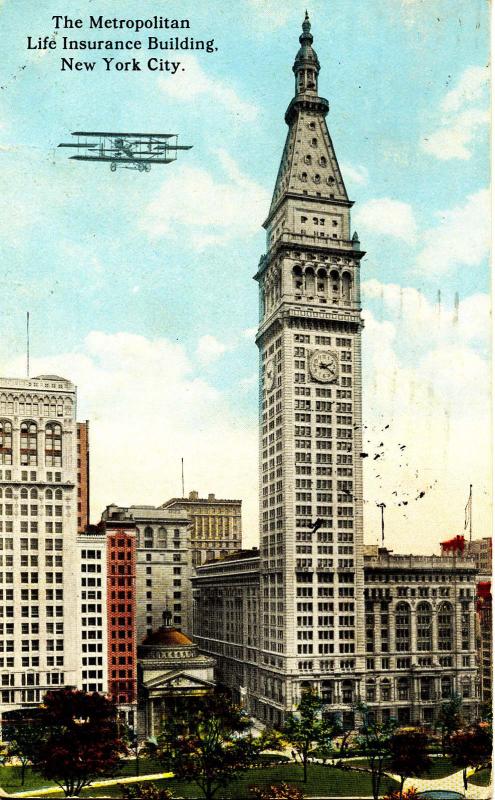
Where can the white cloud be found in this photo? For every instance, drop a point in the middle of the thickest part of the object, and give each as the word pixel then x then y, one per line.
pixel 214 211
pixel 454 139
pixel 424 378
pixel 444 322
pixel 209 349
pixel 461 237
pixel 194 83
pixel 464 113
pixel 354 173
pixel 471 88
pixel 388 217
pixel 147 409
pixel 269 13
pixel 249 333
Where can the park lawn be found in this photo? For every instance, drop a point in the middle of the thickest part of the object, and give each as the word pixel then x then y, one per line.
pixel 322 781
pixel 10 777
pixel 441 767
pixel 481 778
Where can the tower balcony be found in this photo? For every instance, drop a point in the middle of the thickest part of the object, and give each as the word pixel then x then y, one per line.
pixel 315 241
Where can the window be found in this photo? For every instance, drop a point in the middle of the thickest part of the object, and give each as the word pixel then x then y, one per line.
pixel 148 536
pixel 445 626
pixel 403 627
pixel 53 445
pixel 29 443
pixel 5 442
pixel 424 626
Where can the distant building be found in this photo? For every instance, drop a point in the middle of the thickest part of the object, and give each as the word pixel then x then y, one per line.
pixel 216 525
pixel 485 639
pixel 92 594
pixel 480 551
pixel 170 667
pixel 420 626
pixel 163 566
pixel 121 599
pixel 82 475
pixel 40 631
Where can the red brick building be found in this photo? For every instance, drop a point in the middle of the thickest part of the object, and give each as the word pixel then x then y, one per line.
pixel 121 613
pixel 82 476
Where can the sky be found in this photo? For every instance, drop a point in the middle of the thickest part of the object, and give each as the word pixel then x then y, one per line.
pixel 140 288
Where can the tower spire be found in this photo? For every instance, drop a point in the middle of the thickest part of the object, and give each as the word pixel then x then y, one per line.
pixel 306 66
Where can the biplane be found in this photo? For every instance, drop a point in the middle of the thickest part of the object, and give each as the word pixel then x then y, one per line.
pixel 126 150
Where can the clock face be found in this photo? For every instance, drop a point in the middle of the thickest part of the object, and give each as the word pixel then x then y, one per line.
pixel 324 366
pixel 269 374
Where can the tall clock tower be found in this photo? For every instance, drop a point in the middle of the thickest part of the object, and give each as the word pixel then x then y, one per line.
pixel 309 340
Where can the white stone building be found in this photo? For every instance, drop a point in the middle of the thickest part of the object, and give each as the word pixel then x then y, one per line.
pixel 39 619
pixel 295 614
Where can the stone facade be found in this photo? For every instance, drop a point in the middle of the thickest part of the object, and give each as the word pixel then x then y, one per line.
pixel 170 669
pixel 39 629
pixel 420 622
pixel 216 525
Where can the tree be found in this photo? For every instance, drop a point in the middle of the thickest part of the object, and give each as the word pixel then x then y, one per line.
pixel 374 740
pixel 408 755
pixel 23 736
pixel 449 719
pixel 306 729
pixel 279 791
pixel 79 739
pixel 471 747
pixel 207 741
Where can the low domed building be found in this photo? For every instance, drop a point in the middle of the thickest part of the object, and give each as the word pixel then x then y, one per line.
pixel 170 667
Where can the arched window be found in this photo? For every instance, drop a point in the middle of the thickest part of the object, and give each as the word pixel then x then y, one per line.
pixel 309 281
pixel 29 443
pixel 53 445
pixel 403 627
pixel 8 492
pixel 307 159
pixel 49 494
pixel 304 177
pixel 403 688
pixel 148 536
pixel 321 281
pixel 445 626
pixel 323 161
pixel 24 494
pixel 5 442
pixel 346 286
pixel 423 621
pixel 297 279
pixel 335 283
pixel 162 537
pixel 33 494
pixel 58 494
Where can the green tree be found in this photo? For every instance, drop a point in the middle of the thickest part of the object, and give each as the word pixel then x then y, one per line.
pixel 449 719
pixel 207 741
pixel 306 729
pixel 374 740
pixel 23 735
pixel 471 747
pixel 79 739
pixel 408 755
